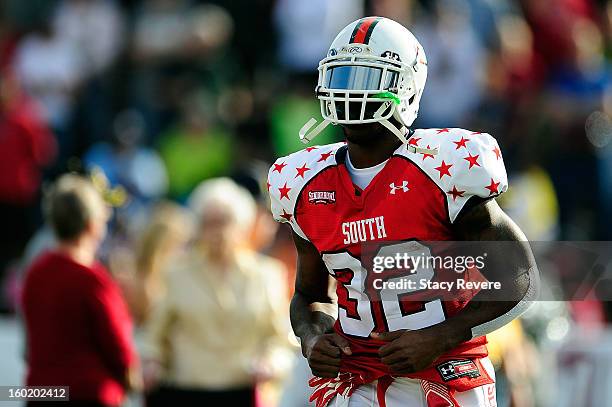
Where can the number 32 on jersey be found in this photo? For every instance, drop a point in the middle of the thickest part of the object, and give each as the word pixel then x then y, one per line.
pixel 359 314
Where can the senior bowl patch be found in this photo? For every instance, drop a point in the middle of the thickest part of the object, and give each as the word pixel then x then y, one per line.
pixel 455 369
pixel 322 197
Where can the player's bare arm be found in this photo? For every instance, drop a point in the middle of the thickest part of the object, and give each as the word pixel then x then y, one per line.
pixel 320 345
pixel 411 351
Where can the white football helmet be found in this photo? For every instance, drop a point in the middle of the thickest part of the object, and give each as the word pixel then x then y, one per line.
pixel 375 69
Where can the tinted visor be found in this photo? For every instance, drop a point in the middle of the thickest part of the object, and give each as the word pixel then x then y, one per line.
pixel 355 77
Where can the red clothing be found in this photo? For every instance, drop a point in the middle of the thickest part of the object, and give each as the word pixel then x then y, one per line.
pixel 414 199
pixel 79 332
pixel 26 146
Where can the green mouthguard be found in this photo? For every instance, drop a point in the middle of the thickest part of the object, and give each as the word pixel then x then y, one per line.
pixel 388 95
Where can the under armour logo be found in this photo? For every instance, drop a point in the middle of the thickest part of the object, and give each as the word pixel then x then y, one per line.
pixel 403 187
pixel 447 369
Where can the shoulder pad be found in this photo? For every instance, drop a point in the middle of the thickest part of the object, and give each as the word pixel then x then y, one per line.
pixel 467 164
pixel 288 176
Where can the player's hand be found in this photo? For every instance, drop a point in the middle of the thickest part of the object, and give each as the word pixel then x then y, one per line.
pixel 409 351
pixel 324 353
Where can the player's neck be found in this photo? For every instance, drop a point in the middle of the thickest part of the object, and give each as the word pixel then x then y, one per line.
pixel 364 156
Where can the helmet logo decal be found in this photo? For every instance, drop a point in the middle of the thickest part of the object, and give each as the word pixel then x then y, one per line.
pixel 391 55
pixel 363 30
pixel 354 49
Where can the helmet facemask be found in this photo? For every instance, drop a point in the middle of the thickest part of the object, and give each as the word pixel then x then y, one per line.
pixel 357 87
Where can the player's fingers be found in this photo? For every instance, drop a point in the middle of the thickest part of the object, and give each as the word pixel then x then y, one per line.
pixel 327 347
pixel 342 343
pixel 387 336
pixel 322 358
pixel 393 358
pixel 324 370
pixel 387 349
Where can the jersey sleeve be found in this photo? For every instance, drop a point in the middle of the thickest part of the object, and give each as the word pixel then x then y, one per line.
pixel 288 176
pixel 282 197
pixel 468 164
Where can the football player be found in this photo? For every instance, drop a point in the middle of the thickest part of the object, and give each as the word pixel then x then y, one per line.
pixel 391 183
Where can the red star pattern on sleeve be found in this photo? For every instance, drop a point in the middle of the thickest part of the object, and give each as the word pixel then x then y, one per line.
pixel 455 193
pixel 286 216
pixel 461 143
pixel 279 167
pixel 468 163
pixel 289 174
pixel 497 152
pixel 493 187
pixel 325 156
pixel 472 159
pixel 414 141
pixel 301 171
pixel 443 169
pixel 284 191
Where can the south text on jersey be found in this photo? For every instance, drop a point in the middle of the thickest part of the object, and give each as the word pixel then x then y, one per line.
pixel 364 230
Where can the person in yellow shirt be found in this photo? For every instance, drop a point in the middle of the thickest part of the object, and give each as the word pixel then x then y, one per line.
pixel 195 149
pixel 222 324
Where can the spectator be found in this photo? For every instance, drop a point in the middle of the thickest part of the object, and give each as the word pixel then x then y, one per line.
pixel 77 325
pixel 8 42
pixel 26 148
pixel 455 60
pixel 50 68
pixel 95 27
pixel 176 46
pixel 166 29
pixel 26 144
pixel 300 52
pixel 195 149
pixel 141 275
pixel 214 335
pixel 127 162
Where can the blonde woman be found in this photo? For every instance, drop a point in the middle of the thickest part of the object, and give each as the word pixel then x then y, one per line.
pixel 218 328
pixel 141 274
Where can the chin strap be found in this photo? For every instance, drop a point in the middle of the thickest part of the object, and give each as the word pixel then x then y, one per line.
pixel 306 135
pixel 401 134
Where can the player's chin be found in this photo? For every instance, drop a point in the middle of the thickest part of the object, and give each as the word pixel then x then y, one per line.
pixel 362 133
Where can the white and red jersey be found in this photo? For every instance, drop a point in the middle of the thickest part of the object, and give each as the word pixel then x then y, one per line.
pixel 416 197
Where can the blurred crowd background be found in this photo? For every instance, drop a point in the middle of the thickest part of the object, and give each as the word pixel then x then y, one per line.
pixel 150 98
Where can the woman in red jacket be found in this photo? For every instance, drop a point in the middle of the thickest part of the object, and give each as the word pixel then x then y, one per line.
pixel 77 325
